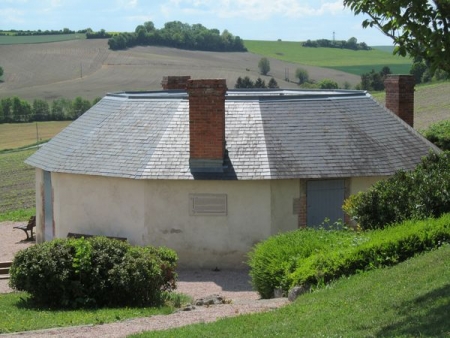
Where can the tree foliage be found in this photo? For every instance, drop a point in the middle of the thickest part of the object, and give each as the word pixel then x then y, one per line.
pixel 302 75
pixel 351 43
pixel 1 71
pixel 374 80
pixel 417 194
pixel 178 35
pixel 14 110
pixel 418 27
pixel 264 66
pixel 328 84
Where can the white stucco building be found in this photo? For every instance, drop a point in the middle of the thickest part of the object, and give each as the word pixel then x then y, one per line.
pixel 210 172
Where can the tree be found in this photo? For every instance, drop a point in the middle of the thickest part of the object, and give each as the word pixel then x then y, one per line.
pixel 302 75
pixel 420 28
pixel 264 66
pixel 41 110
pixel 1 71
pixel 328 84
pixel 273 83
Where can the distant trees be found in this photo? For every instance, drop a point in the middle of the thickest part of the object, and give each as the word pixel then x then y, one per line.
pixel 374 80
pixel 351 43
pixel 246 82
pixel 1 71
pixel 101 34
pixel 178 35
pixel 302 75
pixel 264 66
pixel 14 110
pixel 328 84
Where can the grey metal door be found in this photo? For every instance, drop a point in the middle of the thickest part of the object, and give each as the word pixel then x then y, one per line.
pixel 324 199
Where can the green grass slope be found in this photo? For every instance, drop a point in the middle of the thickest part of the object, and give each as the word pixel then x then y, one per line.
pixel 411 299
pixel 354 62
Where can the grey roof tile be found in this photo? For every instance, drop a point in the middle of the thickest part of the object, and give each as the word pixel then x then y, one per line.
pixel 303 136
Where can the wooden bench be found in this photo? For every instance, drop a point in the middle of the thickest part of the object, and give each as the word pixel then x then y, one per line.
pixel 77 235
pixel 28 227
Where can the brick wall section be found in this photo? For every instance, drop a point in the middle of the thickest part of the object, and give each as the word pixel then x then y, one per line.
pixel 207 118
pixel 174 82
pixel 400 96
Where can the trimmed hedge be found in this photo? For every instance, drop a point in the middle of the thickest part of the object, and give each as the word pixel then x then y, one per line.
pixel 300 257
pixel 93 272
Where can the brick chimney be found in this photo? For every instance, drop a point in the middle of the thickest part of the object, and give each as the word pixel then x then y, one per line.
pixel 174 82
pixel 400 96
pixel 207 124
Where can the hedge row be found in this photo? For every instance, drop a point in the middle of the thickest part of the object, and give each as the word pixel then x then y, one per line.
pixel 93 272
pixel 312 257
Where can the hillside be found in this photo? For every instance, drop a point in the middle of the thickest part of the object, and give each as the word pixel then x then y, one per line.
pixel 89 69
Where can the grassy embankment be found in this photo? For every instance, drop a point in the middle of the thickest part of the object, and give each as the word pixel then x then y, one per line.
pixel 354 62
pixel 411 299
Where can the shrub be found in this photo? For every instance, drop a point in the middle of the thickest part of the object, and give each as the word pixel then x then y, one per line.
pixel 418 194
pixel 439 134
pixel 328 84
pixel 274 259
pixel 315 257
pixel 94 272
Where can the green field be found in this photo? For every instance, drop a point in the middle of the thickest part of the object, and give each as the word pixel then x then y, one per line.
pixel 16 40
pixel 354 62
pixel 17 189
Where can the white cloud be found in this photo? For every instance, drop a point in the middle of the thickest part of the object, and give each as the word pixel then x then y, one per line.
pixel 253 9
pixel 127 4
pixel 11 15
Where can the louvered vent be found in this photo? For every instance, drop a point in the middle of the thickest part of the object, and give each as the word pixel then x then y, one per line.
pixel 208 204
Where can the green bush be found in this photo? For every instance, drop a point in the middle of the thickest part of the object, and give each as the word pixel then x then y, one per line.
pixel 418 194
pixel 93 272
pixel 314 257
pixel 439 134
pixel 274 259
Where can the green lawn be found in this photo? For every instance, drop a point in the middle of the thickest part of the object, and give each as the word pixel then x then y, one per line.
pixel 355 62
pixel 14 40
pixel 16 314
pixel 411 299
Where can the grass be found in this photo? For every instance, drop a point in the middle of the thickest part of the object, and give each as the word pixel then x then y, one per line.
pixel 17 314
pixel 408 300
pixel 354 62
pixel 17 187
pixel 15 135
pixel 15 40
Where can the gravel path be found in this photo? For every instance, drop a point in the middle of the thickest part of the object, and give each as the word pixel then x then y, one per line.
pixel 233 285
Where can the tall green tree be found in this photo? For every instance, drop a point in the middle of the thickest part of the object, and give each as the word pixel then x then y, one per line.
pixel 1 71
pixel 420 28
pixel 41 110
pixel 264 66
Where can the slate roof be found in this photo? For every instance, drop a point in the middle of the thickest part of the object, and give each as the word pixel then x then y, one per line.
pixel 277 134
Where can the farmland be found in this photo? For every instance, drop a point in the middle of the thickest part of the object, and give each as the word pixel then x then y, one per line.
pixel 355 62
pixel 17 189
pixel 22 134
pixel 31 39
pixel 87 68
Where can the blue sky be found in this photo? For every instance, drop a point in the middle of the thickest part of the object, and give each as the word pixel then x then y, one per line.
pixel 289 20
